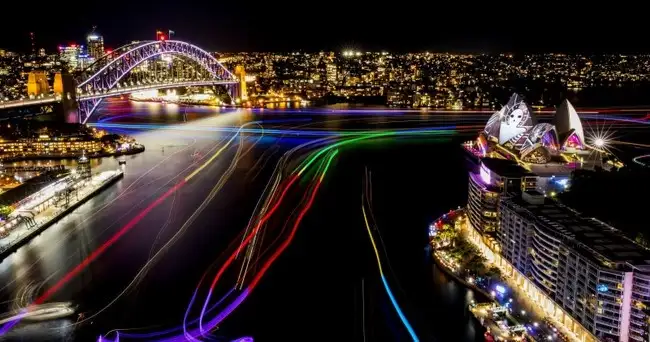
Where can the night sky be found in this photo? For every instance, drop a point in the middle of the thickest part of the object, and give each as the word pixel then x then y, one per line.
pixel 403 25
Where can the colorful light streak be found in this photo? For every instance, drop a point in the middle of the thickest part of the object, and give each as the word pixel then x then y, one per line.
pixel 113 239
pixel 245 242
pixel 94 255
pixel 294 229
pixel 301 169
pixel 385 283
pixel 280 131
pixel 275 255
pixel 308 162
pixel 638 158
pixel 365 135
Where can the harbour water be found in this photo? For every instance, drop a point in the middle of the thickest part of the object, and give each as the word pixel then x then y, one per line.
pixel 314 291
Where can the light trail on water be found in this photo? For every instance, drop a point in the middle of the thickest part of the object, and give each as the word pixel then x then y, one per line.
pixel 300 170
pixel 112 240
pixel 346 137
pixel 389 292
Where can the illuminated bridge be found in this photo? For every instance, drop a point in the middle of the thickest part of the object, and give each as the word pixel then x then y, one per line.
pixel 134 67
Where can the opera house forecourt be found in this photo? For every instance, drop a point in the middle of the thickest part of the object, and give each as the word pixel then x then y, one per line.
pixel 544 148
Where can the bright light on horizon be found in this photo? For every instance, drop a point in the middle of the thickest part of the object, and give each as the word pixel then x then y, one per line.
pixel 599 142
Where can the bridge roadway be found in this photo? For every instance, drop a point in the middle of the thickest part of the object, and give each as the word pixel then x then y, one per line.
pixel 53 98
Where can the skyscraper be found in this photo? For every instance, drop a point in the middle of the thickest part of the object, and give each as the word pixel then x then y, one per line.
pixel 70 55
pixel 95 45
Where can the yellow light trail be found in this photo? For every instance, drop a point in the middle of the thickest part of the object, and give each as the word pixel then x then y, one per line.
pixel 214 156
pixel 383 279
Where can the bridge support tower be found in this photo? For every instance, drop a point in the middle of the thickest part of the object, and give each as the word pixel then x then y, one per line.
pixel 64 86
pixel 37 83
pixel 241 74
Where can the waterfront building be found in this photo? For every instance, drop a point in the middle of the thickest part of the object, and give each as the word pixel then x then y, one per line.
pixel 551 150
pixel 514 131
pixel 581 270
pixel 45 145
pixel 495 177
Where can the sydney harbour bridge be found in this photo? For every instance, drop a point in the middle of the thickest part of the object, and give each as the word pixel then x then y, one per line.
pixel 138 66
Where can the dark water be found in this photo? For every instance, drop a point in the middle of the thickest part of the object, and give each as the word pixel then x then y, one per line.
pixel 313 291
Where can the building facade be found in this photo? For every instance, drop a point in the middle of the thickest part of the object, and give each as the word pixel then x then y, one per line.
pixel 48 146
pixel 590 270
pixel 70 55
pixel 495 177
pixel 95 46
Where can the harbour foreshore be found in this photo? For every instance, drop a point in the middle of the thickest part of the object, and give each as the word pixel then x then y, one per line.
pixel 41 221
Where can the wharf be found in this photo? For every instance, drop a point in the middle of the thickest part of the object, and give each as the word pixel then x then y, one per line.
pixel 28 230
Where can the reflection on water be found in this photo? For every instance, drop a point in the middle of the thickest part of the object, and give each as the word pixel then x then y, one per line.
pixel 311 286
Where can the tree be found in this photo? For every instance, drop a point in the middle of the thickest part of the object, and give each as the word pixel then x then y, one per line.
pixel 5 210
pixel 493 272
pixel 641 240
pixel 447 235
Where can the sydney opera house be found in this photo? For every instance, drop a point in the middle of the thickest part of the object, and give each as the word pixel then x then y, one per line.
pixel 513 132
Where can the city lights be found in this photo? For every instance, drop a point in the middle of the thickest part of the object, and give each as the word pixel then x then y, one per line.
pixel 536 258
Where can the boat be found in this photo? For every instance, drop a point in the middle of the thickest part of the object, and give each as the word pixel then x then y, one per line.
pixel 121 160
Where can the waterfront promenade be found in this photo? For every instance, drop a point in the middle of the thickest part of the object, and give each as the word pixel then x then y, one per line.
pixel 22 227
pixel 448 234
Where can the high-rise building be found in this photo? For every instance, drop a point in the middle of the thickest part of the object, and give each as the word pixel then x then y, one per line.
pixel 95 46
pixel 495 178
pixel 70 55
pixel 580 269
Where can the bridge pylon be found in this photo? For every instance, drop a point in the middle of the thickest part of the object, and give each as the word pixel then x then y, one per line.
pixel 64 86
pixel 240 72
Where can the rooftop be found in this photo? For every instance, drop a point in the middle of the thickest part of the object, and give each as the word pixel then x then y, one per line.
pixel 505 168
pixel 589 236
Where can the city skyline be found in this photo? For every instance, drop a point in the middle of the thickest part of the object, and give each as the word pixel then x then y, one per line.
pixel 403 171
pixel 222 26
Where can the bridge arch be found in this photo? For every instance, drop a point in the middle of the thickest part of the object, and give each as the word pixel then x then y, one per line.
pixel 104 76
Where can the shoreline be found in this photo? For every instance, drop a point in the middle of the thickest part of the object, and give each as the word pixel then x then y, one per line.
pixel 464 282
pixel 73 156
pixel 21 241
pixel 201 104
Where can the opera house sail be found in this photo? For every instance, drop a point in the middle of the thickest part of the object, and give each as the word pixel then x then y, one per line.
pixel 511 122
pixel 568 123
pixel 554 147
